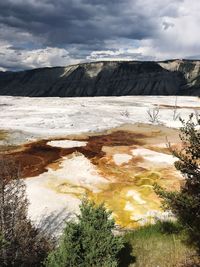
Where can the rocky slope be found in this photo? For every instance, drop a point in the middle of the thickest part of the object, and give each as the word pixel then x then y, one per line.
pixel 173 77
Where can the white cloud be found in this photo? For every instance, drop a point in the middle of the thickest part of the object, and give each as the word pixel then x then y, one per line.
pixel 2 69
pixel 23 59
pixel 181 39
pixel 117 54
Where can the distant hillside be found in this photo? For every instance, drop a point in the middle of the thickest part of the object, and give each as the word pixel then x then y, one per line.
pixel 110 78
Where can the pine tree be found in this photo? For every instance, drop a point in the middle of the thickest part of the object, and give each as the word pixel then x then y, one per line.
pixel 89 242
pixel 185 204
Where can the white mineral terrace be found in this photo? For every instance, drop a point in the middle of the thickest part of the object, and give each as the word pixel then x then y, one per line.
pixel 46 117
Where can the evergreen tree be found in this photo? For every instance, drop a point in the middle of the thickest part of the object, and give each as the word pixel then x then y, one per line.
pixel 185 204
pixel 89 242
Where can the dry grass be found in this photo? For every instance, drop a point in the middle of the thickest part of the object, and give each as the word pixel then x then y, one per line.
pixel 152 248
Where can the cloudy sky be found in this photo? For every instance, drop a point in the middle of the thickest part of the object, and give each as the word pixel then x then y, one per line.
pixel 38 33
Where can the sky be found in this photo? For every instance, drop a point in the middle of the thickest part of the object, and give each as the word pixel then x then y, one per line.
pixel 45 33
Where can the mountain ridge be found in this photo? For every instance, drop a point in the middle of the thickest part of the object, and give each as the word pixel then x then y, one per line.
pixel 106 78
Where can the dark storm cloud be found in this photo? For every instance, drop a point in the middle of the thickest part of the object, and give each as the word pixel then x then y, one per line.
pixel 167 25
pixel 38 33
pixel 61 22
pixel 15 65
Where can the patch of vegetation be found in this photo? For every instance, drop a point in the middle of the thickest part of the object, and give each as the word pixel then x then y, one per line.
pixel 159 245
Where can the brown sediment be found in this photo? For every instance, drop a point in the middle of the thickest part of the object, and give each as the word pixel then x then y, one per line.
pixel 154 134
pixel 93 150
pixel 145 132
pixel 3 134
pixel 9 148
pixel 176 107
pixel 34 158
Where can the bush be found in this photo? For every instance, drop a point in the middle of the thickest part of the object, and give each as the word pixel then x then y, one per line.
pixel 21 244
pixel 169 227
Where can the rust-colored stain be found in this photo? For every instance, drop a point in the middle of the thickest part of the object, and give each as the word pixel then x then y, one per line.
pixel 3 134
pixel 35 157
pixel 93 149
pixel 164 106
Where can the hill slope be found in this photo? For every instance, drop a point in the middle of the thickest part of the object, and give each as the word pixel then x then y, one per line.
pixel 111 78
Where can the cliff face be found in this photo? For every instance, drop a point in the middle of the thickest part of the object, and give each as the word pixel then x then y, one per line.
pixel 174 77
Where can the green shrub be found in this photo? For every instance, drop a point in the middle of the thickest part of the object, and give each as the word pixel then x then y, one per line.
pixel 169 227
pixel 89 241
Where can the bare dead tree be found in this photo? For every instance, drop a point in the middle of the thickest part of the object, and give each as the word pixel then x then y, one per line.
pixel 153 114
pixel 23 244
pixel 176 115
pixel 125 113
pixel 196 115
